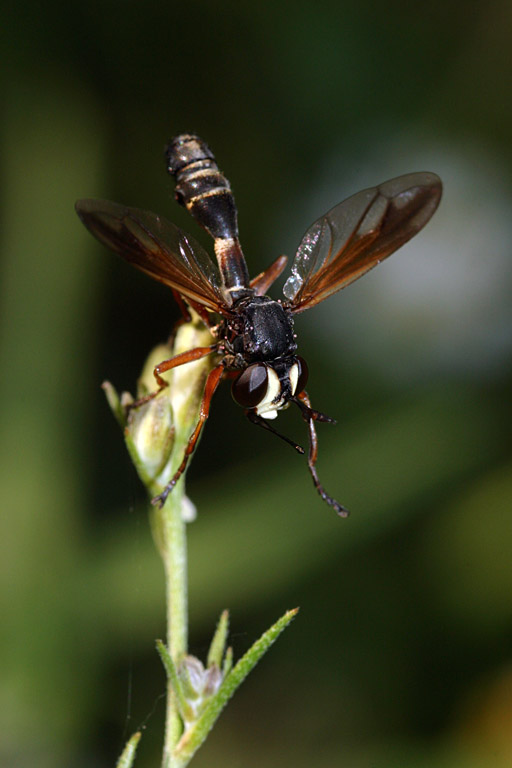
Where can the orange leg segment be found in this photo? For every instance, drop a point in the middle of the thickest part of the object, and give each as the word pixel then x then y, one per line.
pixel 203 313
pixel 166 365
pixel 262 282
pixel 212 382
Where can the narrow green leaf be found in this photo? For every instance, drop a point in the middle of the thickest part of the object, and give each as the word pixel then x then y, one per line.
pixel 228 662
pixel 128 754
pixel 172 674
pixel 195 736
pixel 218 644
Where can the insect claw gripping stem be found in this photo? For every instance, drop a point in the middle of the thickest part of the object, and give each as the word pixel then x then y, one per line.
pixel 159 501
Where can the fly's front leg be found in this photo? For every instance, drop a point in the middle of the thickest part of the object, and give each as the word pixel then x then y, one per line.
pixel 310 416
pixel 212 382
pixel 166 365
pixel 261 422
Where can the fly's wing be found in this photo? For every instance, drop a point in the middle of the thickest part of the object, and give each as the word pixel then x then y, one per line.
pixel 156 247
pixel 357 234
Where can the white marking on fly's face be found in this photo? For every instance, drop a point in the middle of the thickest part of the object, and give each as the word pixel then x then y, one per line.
pixel 293 375
pixel 272 400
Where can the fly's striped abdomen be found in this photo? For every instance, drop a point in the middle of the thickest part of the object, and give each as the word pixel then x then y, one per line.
pixel 206 194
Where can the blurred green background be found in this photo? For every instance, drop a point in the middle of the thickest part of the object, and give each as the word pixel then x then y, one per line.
pixel 402 652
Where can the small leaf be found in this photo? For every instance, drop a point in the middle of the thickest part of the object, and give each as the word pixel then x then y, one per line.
pixel 172 675
pixel 196 734
pixel 128 754
pixel 218 644
pixel 228 662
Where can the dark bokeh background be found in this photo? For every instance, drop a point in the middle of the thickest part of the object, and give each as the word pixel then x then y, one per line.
pixel 402 652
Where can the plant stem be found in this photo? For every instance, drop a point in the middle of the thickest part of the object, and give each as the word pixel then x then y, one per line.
pixel 174 554
pixel 157 433
pixel 169 527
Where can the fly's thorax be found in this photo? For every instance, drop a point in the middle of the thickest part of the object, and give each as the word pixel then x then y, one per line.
pixel 268 387
pixel 261 330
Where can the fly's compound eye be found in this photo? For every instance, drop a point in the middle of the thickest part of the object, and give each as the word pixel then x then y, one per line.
pixel 250 387
pixel 302 379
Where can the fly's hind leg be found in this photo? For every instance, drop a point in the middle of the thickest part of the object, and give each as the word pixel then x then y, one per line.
pixel 261 422
pixel 310 416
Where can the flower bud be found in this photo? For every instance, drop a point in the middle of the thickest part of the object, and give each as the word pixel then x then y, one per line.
pixel 199 683
pixel 156 431
pixel 150 430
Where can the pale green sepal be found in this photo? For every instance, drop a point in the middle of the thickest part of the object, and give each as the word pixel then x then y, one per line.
pixel 216 652
pixel 197 733
pixel 128 754
pixel 150 436
pixel 114 403
pixel 134 456
pixel 172 675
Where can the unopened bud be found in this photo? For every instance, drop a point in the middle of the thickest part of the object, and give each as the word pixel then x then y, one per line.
pixel 157 424
pixel 150 431
pixel 199 683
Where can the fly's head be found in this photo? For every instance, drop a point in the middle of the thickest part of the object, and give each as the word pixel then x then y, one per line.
pixel 267 387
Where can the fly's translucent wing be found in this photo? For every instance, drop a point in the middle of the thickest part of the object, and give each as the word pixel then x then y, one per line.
pixel 156 247
pixel 357 234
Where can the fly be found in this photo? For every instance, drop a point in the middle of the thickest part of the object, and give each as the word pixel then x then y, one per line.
pixel 254 340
